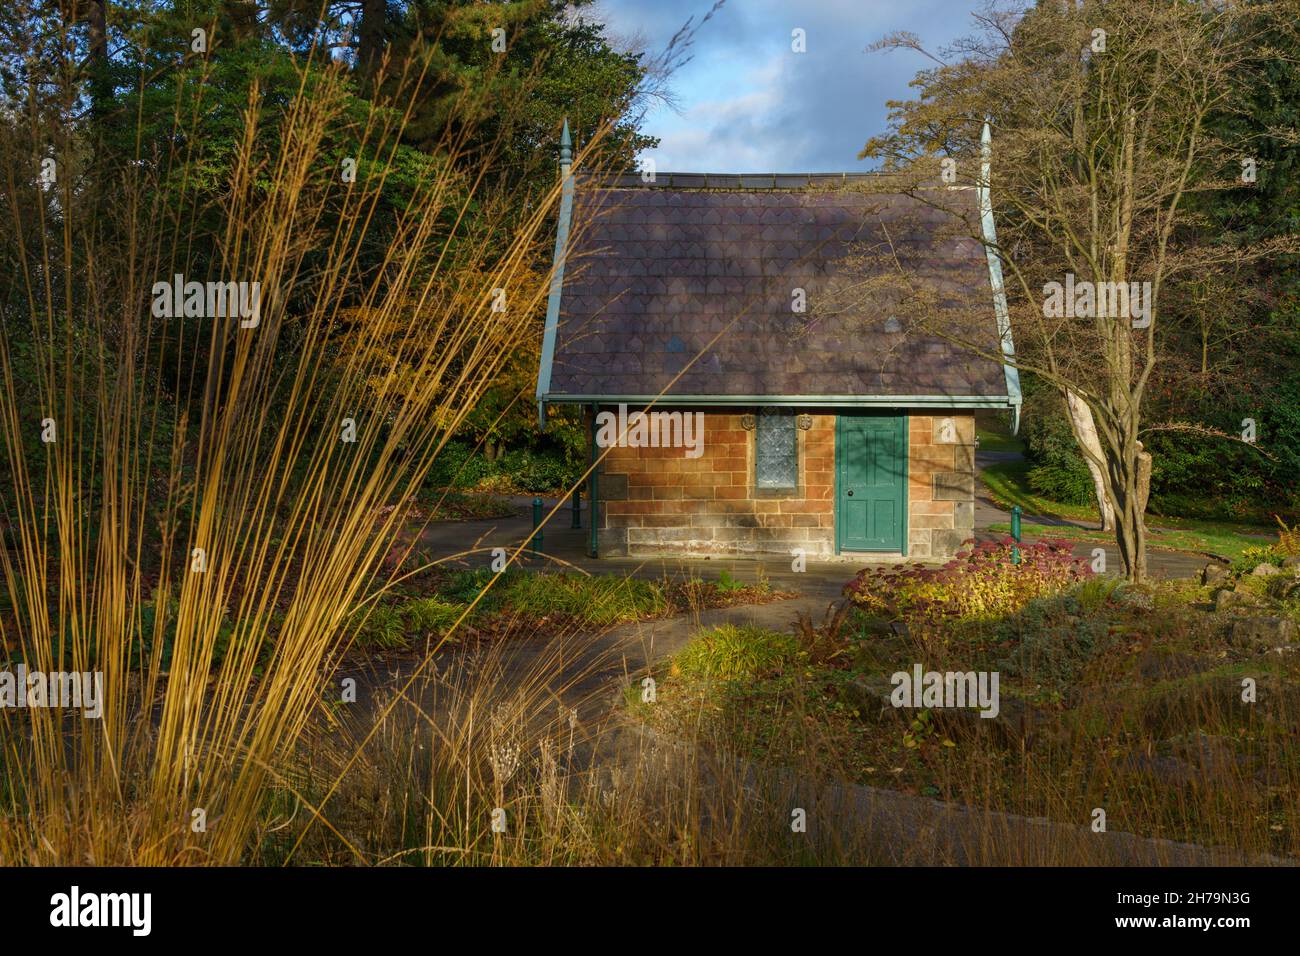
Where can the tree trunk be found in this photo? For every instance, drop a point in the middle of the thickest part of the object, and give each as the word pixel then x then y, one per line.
pixel 1085 433
pixel 1132 481
pixel 370 39
pixel 101 85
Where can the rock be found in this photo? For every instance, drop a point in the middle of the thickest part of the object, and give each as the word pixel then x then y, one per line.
pixel 1286 589
pixel 1214 573
pixel 1266 570
pixel 1168 770
pixel 1158 663
pixel 869 695
pixel 1292 563
pixel 1227 599
pixel 1257 632
pixel 1017 724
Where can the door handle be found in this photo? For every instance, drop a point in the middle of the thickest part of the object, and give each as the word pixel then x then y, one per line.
pixel 850 492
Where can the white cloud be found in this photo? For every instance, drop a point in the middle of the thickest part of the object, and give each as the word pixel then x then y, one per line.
pixel 749 104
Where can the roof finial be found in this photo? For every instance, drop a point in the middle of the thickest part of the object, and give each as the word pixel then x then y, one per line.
pixel 566 145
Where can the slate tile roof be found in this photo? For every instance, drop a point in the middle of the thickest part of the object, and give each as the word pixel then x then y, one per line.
pixel 655 273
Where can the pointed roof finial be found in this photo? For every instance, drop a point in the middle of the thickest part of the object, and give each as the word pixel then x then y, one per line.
pixel 566 145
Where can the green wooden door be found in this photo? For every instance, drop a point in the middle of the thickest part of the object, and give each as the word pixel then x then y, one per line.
pixel 871 482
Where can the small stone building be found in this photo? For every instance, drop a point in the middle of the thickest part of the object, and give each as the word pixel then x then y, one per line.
pixel 763 429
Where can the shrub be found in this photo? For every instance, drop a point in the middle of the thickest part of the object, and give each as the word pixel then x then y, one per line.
pixel 1066 481
pixel 980 584
pixel 1055 636
pixel 732 652
pixel 382 627
pixel 593 600
pixel 1253 557
pixel 1058 471
pixel 538 470
pixel 432 615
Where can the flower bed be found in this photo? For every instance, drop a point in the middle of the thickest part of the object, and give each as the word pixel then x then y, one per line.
pixel 981 583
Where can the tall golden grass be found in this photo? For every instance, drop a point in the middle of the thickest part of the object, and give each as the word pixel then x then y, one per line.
pixel 247 553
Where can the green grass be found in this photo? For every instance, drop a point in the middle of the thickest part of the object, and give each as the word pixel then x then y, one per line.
pixel 998 441
pixel 1230 541
pixel 597 600
pixel 1008 485
pixel 589 601
pixel 731 652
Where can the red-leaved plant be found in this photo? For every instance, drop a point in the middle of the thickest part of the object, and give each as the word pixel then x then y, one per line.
pixel 981 583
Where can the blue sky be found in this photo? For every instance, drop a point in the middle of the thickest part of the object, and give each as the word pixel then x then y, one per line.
pixel 750 104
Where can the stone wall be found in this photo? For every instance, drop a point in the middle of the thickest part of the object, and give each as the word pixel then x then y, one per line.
pixel 657 500
pixel 940 484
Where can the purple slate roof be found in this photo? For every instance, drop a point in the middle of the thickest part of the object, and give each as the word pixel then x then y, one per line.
pixel 655 273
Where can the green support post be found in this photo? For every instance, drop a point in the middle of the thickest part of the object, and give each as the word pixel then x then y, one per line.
pixel 577 508
pixel 1015 534
pixel 537 520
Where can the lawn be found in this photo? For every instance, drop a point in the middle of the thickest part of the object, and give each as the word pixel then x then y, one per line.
pixel 1205 537
pixel 1008 485
pixel 990 440
pixel 515 601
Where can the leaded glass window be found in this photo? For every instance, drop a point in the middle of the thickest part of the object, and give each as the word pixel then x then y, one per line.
pixel 776 450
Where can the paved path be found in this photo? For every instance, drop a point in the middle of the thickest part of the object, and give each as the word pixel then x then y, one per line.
pixel 589 672
pixel 565 546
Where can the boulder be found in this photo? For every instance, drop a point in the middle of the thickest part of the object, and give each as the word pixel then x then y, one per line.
pixel 1261 632
pixel 1227 598
pixel 1161 663
pixel 1284 588
pixel 1214 573
pixel 1266 570
pixel 1168 770
pixel 869 695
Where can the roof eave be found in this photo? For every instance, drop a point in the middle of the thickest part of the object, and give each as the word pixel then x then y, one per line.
pixel 557 275
pixel 1002 313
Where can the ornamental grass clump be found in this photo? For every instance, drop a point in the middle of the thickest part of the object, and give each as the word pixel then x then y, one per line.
pixel 979 584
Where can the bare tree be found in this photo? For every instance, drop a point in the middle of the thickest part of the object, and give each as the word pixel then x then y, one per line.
pixel 1103 115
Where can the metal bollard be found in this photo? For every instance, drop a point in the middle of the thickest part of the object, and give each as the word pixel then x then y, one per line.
pixel 537 520
pixel 1015 533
